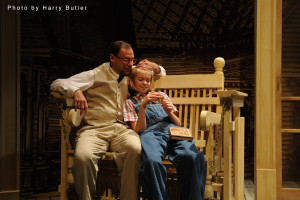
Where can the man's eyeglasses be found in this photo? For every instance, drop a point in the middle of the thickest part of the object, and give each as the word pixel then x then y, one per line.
pixel 127 60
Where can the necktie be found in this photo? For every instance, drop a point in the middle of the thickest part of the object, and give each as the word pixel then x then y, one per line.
pixel 120 78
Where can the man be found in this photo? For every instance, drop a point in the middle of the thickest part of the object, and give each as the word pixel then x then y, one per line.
pixel 105 90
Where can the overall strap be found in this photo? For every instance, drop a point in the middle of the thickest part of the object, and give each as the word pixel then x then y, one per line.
pixel 133 99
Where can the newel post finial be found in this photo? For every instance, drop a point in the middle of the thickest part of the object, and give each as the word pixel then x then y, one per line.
pixel 219 64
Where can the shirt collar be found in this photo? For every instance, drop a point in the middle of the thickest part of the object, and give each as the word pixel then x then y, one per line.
pixel 139 96
pixel 113 74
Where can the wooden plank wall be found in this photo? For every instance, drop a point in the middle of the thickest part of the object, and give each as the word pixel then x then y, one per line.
pixel 9 103
pixel 290 88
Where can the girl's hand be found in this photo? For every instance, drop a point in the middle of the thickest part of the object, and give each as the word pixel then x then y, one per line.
pixel 167 106
pixel 152 96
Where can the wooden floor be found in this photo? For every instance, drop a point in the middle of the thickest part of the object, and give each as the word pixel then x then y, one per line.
pixel 249 190
pixel 249 193
pixel 45 196
pixel 290 184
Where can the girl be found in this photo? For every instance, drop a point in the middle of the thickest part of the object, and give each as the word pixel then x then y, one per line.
pixel 152 120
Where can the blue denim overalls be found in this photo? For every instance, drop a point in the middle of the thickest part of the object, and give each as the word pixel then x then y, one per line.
pixel 156 143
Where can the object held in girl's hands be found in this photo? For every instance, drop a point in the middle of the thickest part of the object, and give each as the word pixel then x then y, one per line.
pixel 161 99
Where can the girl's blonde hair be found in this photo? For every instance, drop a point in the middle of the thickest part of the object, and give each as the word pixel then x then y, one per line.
pixel 131 77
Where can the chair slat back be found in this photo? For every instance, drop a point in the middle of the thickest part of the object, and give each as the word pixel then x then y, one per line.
pixel 191 94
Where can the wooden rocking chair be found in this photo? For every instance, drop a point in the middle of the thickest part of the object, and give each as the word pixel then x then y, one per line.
pixel 204 107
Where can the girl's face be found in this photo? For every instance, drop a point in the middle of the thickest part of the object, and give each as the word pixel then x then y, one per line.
pixel 142 81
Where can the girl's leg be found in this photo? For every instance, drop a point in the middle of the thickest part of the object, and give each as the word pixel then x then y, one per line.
pixel 153 175
pixel 191 168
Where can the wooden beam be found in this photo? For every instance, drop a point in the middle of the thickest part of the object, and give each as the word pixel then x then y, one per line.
pixel 268 93
pixel 10 102
pixel 227 145
pixel 239 158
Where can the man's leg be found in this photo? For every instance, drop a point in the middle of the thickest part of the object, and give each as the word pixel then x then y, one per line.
pixel 89 148
pixel 126 146
pixel 191 168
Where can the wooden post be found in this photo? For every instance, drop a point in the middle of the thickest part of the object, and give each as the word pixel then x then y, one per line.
pixel 219 64
pixel 268 102
pixel 10 102
pixel 63 167
pixel 66 123
pixel 232 101
pixel 66 176
pixel 239 158
pixel 227 148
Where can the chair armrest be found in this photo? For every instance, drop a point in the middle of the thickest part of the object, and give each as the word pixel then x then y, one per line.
pixel 69 100
pixel 207 118
pixel 74 117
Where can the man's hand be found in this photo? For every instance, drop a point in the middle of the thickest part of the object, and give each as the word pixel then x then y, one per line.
pixel 149 65
pixel 80 102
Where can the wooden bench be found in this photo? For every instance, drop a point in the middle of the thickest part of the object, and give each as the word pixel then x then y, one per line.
pixel 204 107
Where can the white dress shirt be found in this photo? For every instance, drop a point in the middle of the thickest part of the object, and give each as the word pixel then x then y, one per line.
pixel 81 81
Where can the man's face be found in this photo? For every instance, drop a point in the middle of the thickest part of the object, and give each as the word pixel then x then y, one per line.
pixel 122 63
